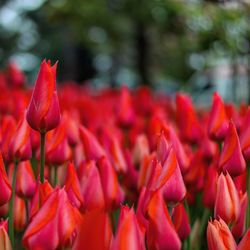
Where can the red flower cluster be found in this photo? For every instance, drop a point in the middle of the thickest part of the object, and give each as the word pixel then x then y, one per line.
pixel 124 169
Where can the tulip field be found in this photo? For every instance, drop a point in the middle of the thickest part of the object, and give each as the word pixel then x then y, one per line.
pixel 88 169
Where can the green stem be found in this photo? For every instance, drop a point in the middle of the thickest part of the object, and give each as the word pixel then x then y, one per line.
pixel 55 176
pixel 42 156
pixel 203 225
pixel 34 162
pixel 248 194
pixel 11 208
pixel 188 213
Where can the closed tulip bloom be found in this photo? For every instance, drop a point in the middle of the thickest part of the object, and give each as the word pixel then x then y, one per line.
pixel 227 203
pixel 20 146
pixel 5 243
pixel 174 190
pixel 245 136
pixel 20 215
pixel 181 221
pixel 161 234
pixel 91 186
pixel 7 128
pixel 72 187
pixel 44 112
pixel 219 236
pixel 231 158
pixel 218 121
pixel 26 183
pixel 58 150
pixel 240 225
pixel 128 235
pixel 43 190
pixel 5 187
pixel 92 148
pixel 53 225
pixel 210 187
pixel 163 148
pixel 87 229
pixel 15 76
pixel 111 189
pixel 245 242
pixel 189 127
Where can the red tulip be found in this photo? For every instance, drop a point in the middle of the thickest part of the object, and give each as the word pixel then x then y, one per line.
pixel 42 192
pixel 181 221
pixel 53 225
pixel 72 187
pixel 227 204
pixel 161 233
pixel 231 158
pixel 20 215
pixel 128 235
pixel 244 243
pixel 5 243
pixel 187 120
pixel 111 189
pixel 8 128
pixel 5 187
pixel 25 180
pixel 91 186
pixel 239 227
pixel 92 148
pixel 15 76
pixel 20 147
pixel 218 121
pixel 210 187
pixel 43 112
pixel 219 236
pixel 88 228
pixel 58 150
pixel 245 136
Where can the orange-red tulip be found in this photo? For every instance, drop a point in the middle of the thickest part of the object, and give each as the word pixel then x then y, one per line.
pixel 20 215
pixel 245 242
pixel 72 187
pixel 20 147
pixel 53 225
pixel 227 203
pixel 5 187
pixel 231 158
pixel 218 120
pixel 219 236
pixel 25 180
pixel 5 243
pixel 44 112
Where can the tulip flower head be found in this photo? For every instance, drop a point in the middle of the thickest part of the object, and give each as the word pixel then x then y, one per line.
pixel 44 112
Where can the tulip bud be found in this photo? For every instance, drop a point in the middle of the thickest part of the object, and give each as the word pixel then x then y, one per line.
pixel 218 121
pixel 161 233
pixel 5 187
pixel 15 76
pixel 187 120
pixel 111 189
pixel 245 136
pixel 20 215
pixel 88 228
pixel 25 183
pixel 5 243
pixel 55 221
pixel 231 158
pixel 240 225
pixel 227 204
pixel 181 221
pixel 20 147
pixel 128 234
pixel 72 187
pixel 91 186
pixel 244 243
pixel 219 236
pixel 43 112
pixel 92 148
pixel 58 150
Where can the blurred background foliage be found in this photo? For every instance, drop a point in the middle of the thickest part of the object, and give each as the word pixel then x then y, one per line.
pixel 196 45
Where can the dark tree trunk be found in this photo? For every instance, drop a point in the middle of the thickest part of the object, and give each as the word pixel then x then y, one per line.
pixel 142 48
